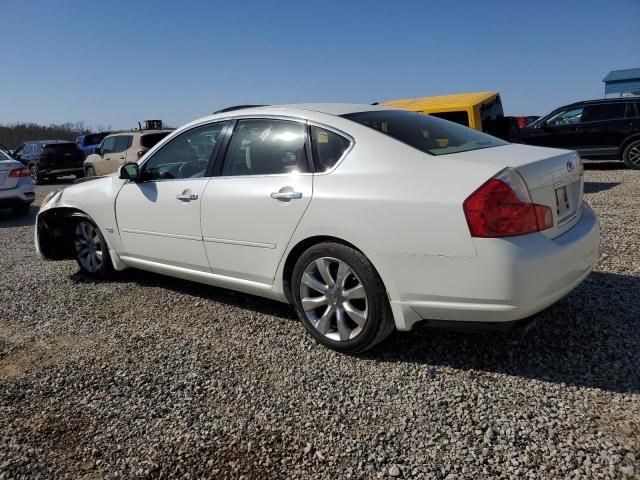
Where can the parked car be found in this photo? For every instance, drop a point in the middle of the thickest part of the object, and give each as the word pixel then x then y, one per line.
pixel 366 218
pixel 16 188
pixel 48 159
pixel 478 110
pixel 91 142
pixel 607 128
pixel 120 148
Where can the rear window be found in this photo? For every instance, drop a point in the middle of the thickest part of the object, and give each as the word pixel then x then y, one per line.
pixel 424 132
pixel 4 156
pixel 603 111
pixel 460 117
pixel 150 139
pixel 60 147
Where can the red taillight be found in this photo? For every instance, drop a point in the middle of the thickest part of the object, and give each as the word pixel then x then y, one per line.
pixel 19 172
pixel 495 210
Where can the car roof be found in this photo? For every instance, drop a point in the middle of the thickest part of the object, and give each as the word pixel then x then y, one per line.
pixel 604 100
pixel 141 132
pixel 49 141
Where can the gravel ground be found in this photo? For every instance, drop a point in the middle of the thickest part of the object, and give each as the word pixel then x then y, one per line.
pixel 146 376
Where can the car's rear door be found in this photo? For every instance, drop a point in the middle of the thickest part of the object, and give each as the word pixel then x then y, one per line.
pixel 159 215
pixel 251 208
pixel 602 128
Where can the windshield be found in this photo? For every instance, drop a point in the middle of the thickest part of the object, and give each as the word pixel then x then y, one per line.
pixel 424 132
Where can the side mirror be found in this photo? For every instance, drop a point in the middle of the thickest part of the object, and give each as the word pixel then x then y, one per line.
pixel 129 171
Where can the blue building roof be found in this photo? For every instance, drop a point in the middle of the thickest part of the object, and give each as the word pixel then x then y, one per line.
pixel 618 75
pixel 622 81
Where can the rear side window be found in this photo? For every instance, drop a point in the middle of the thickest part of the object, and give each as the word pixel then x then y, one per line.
pixel 266 147
pixel 122 142
pixel 460 117
pixel 424 132
pixel 150 139
pixel 328 147
pixel 603 111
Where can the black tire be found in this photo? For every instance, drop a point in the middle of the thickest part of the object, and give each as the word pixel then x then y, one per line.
pixel 631 155
pixel 90 172
pixel 36 176
pixel 22 210
pixel 375 305
pixel 97 249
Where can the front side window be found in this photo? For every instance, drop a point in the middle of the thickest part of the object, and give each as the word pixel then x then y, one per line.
pixel 328 147
pixel 185 156
pixel 424 132
pixel 108 146
pixel 565 117
pixel 28 149
pixel 603 111
pixel 266 147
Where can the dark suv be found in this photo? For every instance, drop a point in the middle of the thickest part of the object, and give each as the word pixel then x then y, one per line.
pixel 47 159
pixel 607 128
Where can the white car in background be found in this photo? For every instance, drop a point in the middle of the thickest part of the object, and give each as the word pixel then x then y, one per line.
pixel 365 218
pixel 16 188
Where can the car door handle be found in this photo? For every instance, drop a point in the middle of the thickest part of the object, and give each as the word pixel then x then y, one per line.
pixel 286 196
pixel 187 197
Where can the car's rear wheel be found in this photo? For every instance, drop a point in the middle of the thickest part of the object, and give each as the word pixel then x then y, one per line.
pixel 340 298
pixel 91 251
pixel 90 172
pixel 631 155
pixel 36 177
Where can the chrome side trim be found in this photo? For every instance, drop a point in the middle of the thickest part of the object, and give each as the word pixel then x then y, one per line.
pixel 240 242
pixel 161 234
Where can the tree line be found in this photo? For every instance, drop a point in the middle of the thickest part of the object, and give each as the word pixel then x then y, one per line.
pixel 15 134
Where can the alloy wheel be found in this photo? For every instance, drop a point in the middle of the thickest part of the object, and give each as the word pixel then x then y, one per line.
pixel 88 246
pixel 334 299
pixel 634 155
pixel 35 176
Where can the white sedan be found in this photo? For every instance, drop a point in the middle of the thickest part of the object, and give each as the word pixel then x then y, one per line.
pixel 365 218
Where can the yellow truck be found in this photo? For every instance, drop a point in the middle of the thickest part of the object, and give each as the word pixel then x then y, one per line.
pixel 478 110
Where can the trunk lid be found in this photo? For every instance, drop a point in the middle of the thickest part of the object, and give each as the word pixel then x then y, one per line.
pixel 554 178
pixel 61 155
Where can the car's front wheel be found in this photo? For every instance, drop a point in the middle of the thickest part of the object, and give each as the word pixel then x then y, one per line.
pixel 631 155
pixel 90 172
pixel 91 251
pixel 340 298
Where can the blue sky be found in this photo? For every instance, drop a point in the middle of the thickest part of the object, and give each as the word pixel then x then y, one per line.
pixel 114 63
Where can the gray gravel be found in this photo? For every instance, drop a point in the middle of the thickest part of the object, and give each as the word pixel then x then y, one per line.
pixel 146 376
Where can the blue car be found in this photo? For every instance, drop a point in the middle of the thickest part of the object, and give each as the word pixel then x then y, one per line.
pixel 89 143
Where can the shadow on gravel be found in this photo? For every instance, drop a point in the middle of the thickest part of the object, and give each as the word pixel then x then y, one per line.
pixel 589 339
pixel 595 187
pixel 604 165
pixel 9 220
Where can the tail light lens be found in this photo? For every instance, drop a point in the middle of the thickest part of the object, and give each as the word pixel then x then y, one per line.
pixel 502 207
pixel 19 172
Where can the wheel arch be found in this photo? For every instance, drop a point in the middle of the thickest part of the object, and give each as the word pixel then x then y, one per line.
pixel 631 138
pixel 304 244
pixel 54 230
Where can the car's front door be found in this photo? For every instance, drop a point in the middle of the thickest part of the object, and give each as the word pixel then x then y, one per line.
pixel 159 215
pixel 105 151
pixel 252 206
pixel 559 130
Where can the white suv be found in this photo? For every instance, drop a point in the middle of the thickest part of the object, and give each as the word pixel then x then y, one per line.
pixel 120 148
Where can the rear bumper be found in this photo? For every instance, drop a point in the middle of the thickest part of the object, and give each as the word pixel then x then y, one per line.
pixel 509 279
pixel 22 194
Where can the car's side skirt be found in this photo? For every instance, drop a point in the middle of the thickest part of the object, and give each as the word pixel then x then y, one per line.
pixel 245 286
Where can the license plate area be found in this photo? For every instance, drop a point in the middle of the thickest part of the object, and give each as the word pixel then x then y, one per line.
pixel 563 204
